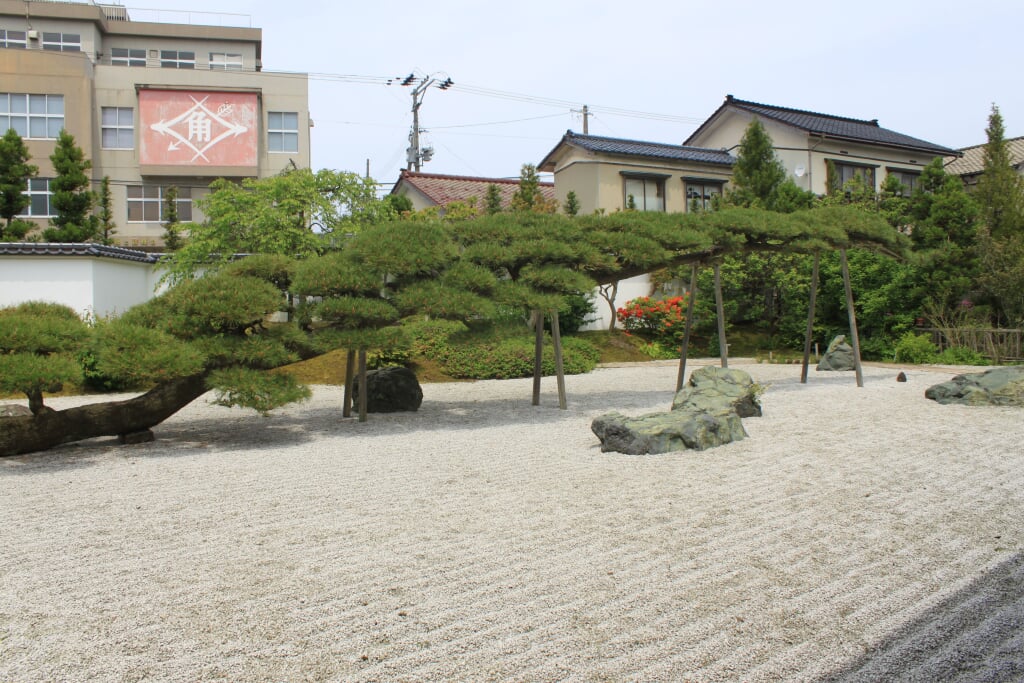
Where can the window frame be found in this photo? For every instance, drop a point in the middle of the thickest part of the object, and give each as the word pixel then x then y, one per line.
pixel 15 43
pixel 228 61
pixel 33 192
pixel 281 133
pixel 32 120
pixel 58 41
pixel 156 196
pixel 705 199
pixel 902 173
pixel 119 128
pixel 179 59
pixel 840 164
pixel 128 59
pixel 659 182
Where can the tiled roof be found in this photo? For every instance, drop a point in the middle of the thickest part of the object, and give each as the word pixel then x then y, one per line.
pixel 856 130
pixel 444 189
pixel 74 249
pixel 973 159
pixel 639 148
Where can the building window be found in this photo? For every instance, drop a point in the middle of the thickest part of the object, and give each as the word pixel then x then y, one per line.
pixel 644 193
pixel 845 172
pixel 15 39
pixel 909 179
pixel 283 131
pixel 223 61
pixel 177 59
pixel 127 56
pixel 117 127
pixel 39 117
pixel 700 193
pixel 146 203
pixel 62 42
pixel 40 197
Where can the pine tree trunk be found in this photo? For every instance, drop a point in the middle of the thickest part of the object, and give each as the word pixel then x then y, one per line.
pixel 29 433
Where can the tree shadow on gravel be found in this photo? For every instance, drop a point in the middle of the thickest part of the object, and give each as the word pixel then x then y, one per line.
pixel 295 426
pixel 974 636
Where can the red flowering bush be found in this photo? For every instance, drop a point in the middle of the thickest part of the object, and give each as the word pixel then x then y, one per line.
pixel 657 320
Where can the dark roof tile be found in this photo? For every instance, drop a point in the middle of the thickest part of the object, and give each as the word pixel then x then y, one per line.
pixel 649 150
pixel 75 249
pixel 857 130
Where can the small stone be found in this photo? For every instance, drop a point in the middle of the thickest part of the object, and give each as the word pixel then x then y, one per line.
pixel 902 377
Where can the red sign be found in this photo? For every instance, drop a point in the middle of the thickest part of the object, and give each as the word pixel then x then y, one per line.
pixel 197 128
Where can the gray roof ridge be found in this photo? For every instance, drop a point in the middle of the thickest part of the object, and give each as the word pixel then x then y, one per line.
pixel 748 103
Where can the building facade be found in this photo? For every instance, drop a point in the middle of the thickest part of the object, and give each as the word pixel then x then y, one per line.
pixel 153 105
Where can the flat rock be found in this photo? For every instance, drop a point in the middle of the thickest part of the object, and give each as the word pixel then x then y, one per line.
pixel 995 387
pixel 14 410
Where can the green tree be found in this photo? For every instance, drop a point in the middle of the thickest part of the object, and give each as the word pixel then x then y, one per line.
pixel 172 230
pixel 529 197
pixel 572 204
pixel 106 215
pixel 759 178
pixel 298 213
pixel 492 200
pixel 1000 194
pixel 72 199
pixel 1000 191
pixel 15 172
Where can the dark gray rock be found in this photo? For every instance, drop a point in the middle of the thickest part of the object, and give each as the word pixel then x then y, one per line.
pixel 14 410
pixel 902 377
pixel 995 387
pixel 839 355
pixel 390 390
pixel 705 414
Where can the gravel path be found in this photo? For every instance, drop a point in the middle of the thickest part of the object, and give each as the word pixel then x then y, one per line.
pixel 859 534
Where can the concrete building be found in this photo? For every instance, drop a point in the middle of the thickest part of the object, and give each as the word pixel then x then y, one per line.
pixel 152 104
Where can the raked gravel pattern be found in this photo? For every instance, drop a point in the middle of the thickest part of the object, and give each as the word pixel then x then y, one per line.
pixel 858 534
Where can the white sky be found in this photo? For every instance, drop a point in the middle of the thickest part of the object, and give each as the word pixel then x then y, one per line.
pixel 931 69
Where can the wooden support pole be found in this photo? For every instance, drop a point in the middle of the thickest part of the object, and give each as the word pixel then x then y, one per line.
pixel 810 318
pixel 362 385
pixel 853 318
pixel 350 380
pixel 723 346
pixel 538 352
pixel 684 351
pixel 556 337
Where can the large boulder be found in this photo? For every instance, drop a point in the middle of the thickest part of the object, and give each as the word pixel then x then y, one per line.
pixel 710 388
pixel 705 414
pixel 14 410
pixel 995 387
pixel 390 390
pixel 839 356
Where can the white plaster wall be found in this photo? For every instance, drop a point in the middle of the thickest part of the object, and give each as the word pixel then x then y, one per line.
pixel 90 286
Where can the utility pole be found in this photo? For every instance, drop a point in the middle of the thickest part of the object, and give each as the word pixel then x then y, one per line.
pixel 415 157
pixel 586 118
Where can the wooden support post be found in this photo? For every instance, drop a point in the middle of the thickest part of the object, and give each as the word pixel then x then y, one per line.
pixel 556 337
pixel 538 352
pixel 853 318
pixel 810 318
pixel 362 385
pixel 723 346
pixel 684 351
pixel 350 380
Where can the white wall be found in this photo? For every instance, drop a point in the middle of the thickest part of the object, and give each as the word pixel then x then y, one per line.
pixel 89 285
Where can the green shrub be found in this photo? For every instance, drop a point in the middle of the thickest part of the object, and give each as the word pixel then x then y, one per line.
pixel 959 355
pixel 915 348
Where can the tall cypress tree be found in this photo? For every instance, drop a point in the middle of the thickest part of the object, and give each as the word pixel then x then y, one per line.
pixel 757 173
pixel 1000 190
pixel 72 199
pixel 15 172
